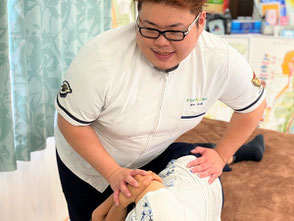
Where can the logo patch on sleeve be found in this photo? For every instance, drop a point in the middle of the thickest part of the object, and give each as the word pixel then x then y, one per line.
pixel 65 89
pixel 255 80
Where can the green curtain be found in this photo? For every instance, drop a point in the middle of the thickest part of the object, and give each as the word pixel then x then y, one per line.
pixel 38 40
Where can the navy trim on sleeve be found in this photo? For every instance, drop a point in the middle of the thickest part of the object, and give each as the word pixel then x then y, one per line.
pixel 70 115
pixel 245 108
pixel 189 117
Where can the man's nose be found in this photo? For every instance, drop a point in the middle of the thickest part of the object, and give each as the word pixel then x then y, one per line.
pixel 161 40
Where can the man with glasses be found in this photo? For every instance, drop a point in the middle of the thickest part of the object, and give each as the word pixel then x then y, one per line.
pixel 171 35
pixel 132 91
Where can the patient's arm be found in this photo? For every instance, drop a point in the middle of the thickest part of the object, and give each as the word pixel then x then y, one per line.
pixel 107 211
pixel 144 182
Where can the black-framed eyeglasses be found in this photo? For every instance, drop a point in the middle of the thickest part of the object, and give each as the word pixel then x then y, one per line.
pixel 171 35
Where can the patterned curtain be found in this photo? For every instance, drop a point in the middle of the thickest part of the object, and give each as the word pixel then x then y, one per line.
pixel 38 40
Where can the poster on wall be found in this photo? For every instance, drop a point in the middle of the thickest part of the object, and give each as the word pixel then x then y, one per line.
pixel 273 61
pixel 123 12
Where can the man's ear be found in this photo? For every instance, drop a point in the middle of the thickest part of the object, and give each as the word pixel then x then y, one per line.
pixel 201 22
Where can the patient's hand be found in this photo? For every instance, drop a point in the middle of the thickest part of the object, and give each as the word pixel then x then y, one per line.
pixel 143 182
pixel 154 176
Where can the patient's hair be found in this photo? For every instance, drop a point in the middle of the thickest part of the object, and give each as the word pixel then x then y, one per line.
pixel 195 6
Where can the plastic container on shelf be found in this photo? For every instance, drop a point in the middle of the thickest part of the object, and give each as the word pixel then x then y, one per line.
pixel 244 26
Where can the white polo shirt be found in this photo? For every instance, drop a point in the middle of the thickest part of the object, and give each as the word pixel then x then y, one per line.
pixel 186 197
pixel 136 110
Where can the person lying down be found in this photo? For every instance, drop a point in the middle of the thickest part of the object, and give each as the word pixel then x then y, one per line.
pixel 175 194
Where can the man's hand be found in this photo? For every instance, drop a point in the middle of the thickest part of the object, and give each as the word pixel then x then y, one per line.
pixel 119 179
pixel 209 164
pixel 143 182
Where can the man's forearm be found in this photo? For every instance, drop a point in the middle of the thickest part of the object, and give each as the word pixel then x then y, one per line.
pixel 85 141
pixel 239 129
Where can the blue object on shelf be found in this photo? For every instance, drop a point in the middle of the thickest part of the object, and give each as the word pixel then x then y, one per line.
pixel 245 26
pixel 287 33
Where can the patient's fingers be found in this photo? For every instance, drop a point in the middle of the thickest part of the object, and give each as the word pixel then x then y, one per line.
pixel 149 177
pixel 156 177
pixel 139 172
pixel 143 179
pixel 147 180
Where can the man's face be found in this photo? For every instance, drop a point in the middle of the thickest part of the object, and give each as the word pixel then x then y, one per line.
pixel 162 53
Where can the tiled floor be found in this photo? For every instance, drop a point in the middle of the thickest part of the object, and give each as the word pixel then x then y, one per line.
pixel 33 192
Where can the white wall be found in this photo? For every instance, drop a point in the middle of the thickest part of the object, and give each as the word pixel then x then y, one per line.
pixel 33 192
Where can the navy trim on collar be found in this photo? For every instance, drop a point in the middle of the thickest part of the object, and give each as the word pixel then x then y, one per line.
pixel 168 70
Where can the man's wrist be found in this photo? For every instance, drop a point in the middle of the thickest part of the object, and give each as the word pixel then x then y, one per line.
pixel 113 172
pixel 220 155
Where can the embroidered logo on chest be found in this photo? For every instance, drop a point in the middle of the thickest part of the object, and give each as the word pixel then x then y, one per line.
pixel 195 102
